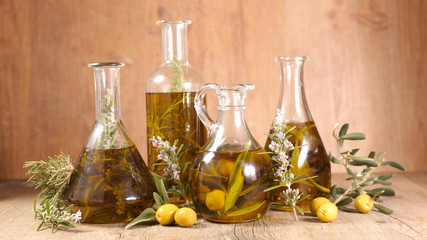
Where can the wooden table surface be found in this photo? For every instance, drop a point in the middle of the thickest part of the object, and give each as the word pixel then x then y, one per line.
pixel 409 220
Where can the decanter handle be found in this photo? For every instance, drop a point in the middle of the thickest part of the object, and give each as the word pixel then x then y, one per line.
pixel 200 105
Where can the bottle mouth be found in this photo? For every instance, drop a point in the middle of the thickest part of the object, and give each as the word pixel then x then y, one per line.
pixel 106 64
pixel 292 59
pixel 161 22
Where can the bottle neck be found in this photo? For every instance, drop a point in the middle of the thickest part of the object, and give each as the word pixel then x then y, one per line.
pixel 292 101
pixel 231 129
pixel 174 39
pixel 107 95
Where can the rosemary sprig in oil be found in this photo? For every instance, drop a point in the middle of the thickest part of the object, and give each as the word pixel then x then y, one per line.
pixel 178 78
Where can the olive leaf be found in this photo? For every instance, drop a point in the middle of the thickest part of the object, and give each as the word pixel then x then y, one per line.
pixel 383 182
pixel 148 215
pixel 394 164
pixel 246 209
pixel 238 166
pixel 353 136
pixel 234 192
pixel 387 191
pixel 333 159
pixel 343 132
pixel 160 187
pixel 369 163
pixel 383 209
pixel 158 199
pixel 385 176
pixel 343 202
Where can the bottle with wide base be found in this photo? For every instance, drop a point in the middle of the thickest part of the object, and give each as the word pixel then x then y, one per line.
pixel 228 178
pixel 309 155
pixel 110 182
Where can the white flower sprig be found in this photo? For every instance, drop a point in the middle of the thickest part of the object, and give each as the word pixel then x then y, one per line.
pixel 52 175
pixel 280 146
pixel 48 213
pixel 169 157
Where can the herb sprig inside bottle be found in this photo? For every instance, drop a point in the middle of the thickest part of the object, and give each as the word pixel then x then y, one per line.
pixel 284 177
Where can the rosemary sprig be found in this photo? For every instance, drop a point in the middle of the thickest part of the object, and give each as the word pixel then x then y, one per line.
pixel 284 177
pixel 363 178
pixel 52 175
pixel 169 157
pixel 178 78
pixel 110 137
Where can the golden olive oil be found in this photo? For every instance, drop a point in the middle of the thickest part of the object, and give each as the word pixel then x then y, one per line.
pixel 225 192
pixel 310 160
pixel 110 186
pixel 172 116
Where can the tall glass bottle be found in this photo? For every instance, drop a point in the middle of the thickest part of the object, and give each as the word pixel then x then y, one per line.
pixel 229 177
pixel 170 92
pixel 110 182
pixel 310 157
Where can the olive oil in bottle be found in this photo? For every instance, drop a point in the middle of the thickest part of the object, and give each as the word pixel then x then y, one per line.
pixel 110 182
pixel 110 185
pixel 309 159
pixel 229 186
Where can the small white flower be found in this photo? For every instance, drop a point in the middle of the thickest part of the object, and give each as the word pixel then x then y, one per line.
pixel 78 216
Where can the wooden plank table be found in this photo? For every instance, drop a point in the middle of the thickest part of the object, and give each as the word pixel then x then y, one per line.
pixel 409 220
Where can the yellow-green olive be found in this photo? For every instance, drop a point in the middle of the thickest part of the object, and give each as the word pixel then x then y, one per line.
pixel 363 203
pixel 185 217
pixel 165 214
pixel 327 212
pixel 315 204
pixel 215 200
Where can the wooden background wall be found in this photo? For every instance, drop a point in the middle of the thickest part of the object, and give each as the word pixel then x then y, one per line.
pixel 367 67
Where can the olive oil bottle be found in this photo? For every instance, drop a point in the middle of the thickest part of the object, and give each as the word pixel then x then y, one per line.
pixel 170 113
pixel 228 178
pixel 309 158
pixel 110 182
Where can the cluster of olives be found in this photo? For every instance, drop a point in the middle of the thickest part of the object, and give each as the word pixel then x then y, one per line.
pixel 168 214
pixel 327 211
pixel 321 207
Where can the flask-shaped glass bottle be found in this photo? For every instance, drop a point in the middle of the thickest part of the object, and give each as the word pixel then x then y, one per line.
pixel 310 158
pixel 229 177
pixel 171 116
pixel 110 182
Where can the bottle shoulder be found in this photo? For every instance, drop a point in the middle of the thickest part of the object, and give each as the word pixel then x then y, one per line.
pixel 171 79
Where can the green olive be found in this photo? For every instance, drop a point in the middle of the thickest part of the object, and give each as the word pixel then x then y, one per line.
pixel 315 204
pixel 185 217
pixel 165 214
pixel 364 203
pixel 327 212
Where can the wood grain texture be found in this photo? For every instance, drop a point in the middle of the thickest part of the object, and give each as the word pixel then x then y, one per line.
pixel 407 221
pixel 367 67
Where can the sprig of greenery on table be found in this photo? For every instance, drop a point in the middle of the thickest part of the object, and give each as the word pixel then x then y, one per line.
pixel 363 178
pixel 52 175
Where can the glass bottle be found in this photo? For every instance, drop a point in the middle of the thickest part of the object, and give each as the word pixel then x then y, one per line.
pixel 229 177
pixel 171 116
pixel 310 155
pixel 110 182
